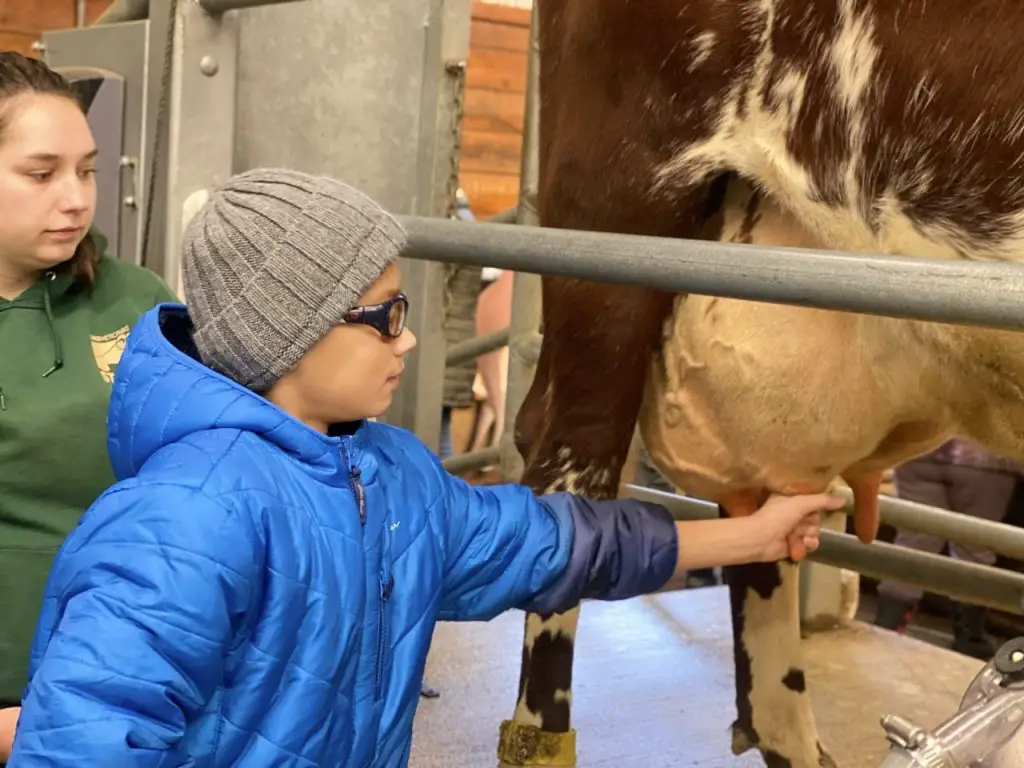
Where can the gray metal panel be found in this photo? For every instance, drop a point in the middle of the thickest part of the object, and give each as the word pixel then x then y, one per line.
pixel 199 137
pixel 123 49
pixel 152 187
pixel 417 404
pixel 332 87
pixel 105 112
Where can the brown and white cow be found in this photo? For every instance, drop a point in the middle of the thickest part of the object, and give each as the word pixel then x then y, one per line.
pixel 887 126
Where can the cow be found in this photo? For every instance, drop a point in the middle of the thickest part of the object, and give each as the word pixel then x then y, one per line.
pixel 883 126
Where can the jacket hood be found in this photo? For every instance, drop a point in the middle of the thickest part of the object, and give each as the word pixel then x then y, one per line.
pixel 162 394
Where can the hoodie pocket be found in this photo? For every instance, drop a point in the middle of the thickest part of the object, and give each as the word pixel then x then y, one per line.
pixel 23 576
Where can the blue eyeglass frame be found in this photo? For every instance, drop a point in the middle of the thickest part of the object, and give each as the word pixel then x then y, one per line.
pixel 378 316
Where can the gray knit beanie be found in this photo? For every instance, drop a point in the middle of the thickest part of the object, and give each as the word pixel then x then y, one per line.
pixel 272 262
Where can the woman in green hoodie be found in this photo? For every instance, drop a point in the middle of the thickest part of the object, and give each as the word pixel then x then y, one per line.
pixel 65 310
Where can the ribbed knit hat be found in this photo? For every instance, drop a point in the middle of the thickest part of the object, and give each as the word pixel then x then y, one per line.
pixel 273 261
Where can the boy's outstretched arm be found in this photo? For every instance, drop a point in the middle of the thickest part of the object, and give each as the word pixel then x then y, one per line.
pixel 140 608
pixel 508 548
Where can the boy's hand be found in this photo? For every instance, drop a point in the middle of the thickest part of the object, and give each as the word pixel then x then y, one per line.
pixel 8 724
pixel 790 526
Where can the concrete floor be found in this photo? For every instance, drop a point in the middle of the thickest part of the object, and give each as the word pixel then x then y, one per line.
pixel 664 662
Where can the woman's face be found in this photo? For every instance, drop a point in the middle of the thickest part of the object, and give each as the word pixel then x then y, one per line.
pixel 47 183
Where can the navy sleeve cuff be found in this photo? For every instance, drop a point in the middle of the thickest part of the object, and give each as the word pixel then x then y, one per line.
pixel 621 548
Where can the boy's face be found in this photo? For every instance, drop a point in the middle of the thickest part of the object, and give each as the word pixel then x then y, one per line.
pixel 351 373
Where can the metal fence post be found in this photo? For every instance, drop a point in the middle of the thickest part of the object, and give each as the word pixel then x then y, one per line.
pixel 526 287
pixel 417 404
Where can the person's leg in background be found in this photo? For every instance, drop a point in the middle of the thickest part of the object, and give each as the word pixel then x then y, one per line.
pixel 921 480
pixel 444 449
pixel 985 494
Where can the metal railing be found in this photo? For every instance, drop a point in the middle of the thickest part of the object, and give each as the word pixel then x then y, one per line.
pixel 979 584
pixel 940 290
pixel 475 347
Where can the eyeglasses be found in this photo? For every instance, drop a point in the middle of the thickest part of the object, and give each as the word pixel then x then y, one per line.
pixel 388 317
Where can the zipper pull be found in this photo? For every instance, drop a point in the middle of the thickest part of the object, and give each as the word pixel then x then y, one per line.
pixel 3 402
pixel 386 586
pixel 360 493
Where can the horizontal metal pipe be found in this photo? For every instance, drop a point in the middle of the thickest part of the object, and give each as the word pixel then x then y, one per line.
pixel 465 462
pixel 970 582
pixel 216 7
pixel 951 526
pixel 478 345
pixel 508 216
pixel 951 291
pixel 124 10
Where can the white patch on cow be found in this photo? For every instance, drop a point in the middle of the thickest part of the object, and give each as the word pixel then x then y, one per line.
pixel 853 55
pixel 564 624
pixel 783 718
pixel 569 477
pixel 703 44
pixel 755 144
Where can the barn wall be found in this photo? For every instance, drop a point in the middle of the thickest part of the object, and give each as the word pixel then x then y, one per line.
pixel 492 125
pixel 23 21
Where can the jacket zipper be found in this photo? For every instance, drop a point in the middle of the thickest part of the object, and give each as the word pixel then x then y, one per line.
pixel 386 581
pixel 357 486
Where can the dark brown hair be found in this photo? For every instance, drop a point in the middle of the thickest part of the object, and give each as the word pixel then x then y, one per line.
pixel 20 75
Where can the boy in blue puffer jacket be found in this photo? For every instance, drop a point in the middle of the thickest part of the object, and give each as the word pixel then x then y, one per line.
pixel 260 587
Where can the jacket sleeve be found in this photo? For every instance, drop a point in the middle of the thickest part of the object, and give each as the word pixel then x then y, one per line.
pixel 141 607
pixel 508 548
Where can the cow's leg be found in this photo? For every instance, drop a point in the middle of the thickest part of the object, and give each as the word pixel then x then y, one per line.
pixel 588 386
pixel 773 705
pixel 577 421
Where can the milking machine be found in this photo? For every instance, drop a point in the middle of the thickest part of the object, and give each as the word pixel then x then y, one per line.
pixel 985 732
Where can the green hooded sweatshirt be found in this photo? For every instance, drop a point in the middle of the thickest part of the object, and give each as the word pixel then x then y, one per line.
pixel 59 346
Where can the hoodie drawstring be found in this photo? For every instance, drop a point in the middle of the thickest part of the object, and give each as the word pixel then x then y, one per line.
pixel 58 355
pixel 58 352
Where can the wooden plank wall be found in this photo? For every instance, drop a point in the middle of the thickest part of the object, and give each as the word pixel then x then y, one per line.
pixel 492 123
pixel 23 21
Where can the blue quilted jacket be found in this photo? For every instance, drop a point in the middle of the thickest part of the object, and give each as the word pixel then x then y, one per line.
pixel 254 593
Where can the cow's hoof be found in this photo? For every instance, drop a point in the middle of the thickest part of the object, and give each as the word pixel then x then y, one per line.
pixel 743 739
pixel 521 744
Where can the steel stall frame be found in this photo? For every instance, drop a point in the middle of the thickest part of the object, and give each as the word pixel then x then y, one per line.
pixel 417 405
pixel 955 292
pixel 971 582
pixel 526 287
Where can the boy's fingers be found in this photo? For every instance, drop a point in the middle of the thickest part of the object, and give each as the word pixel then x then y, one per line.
pixel 818 501
pixel 796 546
